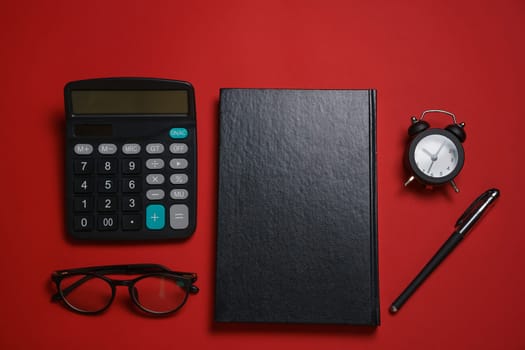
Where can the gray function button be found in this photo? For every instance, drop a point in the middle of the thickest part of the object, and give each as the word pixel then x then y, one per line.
pixel 179 216
pixel 179 179
pixel 154 164
pixel 107 148
pixel 155 195
pixel 83 149
pixel 155 179
pixel 178 163
pixel 179 194
pixel 154 148
pixel 178 148
pixel 131 148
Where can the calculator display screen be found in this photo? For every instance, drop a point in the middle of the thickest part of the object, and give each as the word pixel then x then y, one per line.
pixel 129 102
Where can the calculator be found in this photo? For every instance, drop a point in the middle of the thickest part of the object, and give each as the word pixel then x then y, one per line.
pixel 131 159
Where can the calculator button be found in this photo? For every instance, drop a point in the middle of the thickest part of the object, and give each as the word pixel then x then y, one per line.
pixel 178 148
pixel 131 148
pixel 107 222
pixel 154 195
pixel 155 179
pixel 83 166
pixel 131 166
pixel 178 163
pixel 154 148
pixel 179 194
pixel 155 217
pixel 131 222
pixel 154 164
pixel 131 184
pixel 179 216
pixel 107 148
pixel 107 166
pixel 106 185
pixel 179 179
pixel 83 203
pixel 83 223
pixel 83 185
pixel 131 203
pixel 83 149
pixel 178 133
pixel 106 204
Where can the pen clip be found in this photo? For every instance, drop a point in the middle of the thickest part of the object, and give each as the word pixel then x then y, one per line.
pixel 475 205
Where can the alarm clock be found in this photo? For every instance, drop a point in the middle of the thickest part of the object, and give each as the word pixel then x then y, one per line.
pixel 435 156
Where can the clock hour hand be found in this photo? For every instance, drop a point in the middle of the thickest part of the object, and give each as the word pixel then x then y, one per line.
pixel 427 152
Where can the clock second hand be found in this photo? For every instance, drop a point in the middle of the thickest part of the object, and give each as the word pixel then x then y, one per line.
pixel 431 158
pixel 434 157
pixel 430 167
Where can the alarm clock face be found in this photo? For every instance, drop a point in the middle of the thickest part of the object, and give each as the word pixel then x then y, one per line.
pixel 436 156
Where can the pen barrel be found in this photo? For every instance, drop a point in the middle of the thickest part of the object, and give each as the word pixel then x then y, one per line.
pixel 440 255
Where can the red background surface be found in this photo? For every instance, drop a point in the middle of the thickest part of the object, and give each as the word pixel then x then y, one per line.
pixel 464 56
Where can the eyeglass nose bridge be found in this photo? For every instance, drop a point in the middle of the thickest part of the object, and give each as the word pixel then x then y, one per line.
pixel 130 284
pixel 125 283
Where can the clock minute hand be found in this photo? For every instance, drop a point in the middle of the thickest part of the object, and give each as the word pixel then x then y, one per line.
pixel 439 150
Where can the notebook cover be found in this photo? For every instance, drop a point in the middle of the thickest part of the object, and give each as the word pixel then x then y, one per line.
pixel 297 217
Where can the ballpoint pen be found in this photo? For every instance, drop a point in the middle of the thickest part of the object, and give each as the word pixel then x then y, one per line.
pixel 463 226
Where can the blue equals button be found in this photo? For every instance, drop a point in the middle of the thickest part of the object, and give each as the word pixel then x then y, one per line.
pixel 178 133
pixel 155 217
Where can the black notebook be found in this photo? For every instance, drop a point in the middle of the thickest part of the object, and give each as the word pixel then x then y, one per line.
pixel 297 217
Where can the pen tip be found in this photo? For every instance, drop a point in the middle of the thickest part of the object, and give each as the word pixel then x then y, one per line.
pixel 393 309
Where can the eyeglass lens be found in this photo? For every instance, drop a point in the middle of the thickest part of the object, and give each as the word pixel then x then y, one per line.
pixel 157 294
pixel 86 293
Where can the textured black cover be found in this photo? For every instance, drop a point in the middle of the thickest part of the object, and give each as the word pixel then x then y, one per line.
pixel 297 228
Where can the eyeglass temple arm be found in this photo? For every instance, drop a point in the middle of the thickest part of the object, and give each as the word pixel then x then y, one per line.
pixel 69 289
pixel 124 269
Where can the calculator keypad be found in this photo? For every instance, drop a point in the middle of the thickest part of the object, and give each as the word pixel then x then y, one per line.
pixel 131 186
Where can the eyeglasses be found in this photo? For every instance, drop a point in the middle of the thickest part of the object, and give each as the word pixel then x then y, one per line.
pixel 157 290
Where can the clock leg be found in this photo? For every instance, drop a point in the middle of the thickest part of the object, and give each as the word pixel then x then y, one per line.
pixel 454 186
pixel 409 180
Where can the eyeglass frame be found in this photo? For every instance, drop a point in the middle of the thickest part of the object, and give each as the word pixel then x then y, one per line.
pixel 144 270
